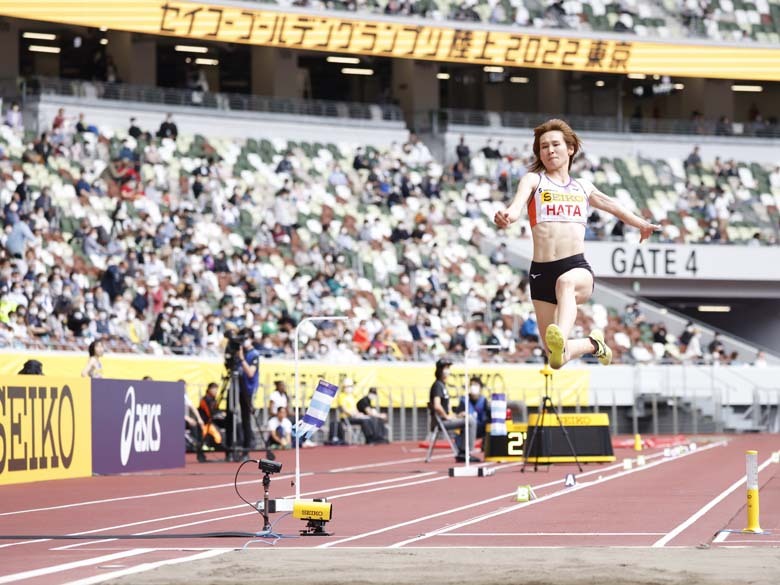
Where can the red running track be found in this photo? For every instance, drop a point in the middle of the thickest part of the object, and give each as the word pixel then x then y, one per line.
pixel 386 496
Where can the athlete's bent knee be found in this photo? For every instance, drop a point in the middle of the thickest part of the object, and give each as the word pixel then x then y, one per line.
pixel 565 285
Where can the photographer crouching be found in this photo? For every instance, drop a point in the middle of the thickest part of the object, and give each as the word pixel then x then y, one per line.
pixel 244 362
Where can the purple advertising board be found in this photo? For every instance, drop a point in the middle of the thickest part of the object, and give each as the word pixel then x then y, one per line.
pixel 137 425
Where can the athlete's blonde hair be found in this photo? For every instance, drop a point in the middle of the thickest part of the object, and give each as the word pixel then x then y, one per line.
pixel 569 136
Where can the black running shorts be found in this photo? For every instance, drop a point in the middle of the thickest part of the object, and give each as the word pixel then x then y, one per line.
pixel 544 275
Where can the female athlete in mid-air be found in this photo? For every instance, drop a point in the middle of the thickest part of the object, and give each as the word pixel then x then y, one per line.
pixel 558 209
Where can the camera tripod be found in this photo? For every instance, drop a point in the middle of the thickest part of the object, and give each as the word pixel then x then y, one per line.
pixel 229 391
pixel 266 485
pixel 547 405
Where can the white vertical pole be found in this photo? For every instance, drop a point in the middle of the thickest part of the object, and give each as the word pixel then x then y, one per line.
pixel 297 400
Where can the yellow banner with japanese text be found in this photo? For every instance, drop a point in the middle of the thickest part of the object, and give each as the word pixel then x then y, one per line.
pixel 394 38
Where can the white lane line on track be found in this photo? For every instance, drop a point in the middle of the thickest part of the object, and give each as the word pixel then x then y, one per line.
pixel 166 528
pixel 393 480
pixel 556 534
pixel 721 537
pixel 72 565
pixel 200 488
pixel 377 489
pixel 704 509
pixel 565 491
pixel 139 496
pixel 148 567
pixel 386 463
pixel 466 506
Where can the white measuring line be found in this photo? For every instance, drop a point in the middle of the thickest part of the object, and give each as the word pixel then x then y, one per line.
pixel 149 566
pixel 464 507
pixel 706 508
pixel 551 496
pixel 72 565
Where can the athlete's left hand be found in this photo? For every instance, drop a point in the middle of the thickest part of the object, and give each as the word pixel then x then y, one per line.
pixel 647 230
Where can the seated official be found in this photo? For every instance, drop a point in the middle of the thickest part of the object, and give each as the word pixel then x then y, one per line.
pixel 213 418
pixel 369 406
pixel 349 413
pixel 193 428
pixel 439 405
pixel 478 405
pixel 280 430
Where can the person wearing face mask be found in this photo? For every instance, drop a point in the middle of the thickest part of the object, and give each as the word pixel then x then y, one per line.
pixel 439 405
pixel 478 405
pixel 558 208
pixel 248 360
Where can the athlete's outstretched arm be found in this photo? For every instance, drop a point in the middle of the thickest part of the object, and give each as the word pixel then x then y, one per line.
pixel 606 203
pixel 514 211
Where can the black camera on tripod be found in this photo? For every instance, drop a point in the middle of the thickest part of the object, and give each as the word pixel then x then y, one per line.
pixel 268 466
pixel 235 340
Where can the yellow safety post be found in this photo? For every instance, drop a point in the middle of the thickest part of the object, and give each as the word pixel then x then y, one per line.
pixel 753 526
pixel 637 442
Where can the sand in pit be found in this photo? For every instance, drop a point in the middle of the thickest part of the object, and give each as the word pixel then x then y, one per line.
pixel 477 566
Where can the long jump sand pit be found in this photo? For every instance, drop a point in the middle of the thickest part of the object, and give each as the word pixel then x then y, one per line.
pixel 478 566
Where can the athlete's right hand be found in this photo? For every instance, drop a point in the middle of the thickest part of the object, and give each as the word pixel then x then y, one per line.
pixel 502 219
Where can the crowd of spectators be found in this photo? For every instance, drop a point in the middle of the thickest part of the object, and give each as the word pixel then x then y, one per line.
pixel 728 20
pixel 154 242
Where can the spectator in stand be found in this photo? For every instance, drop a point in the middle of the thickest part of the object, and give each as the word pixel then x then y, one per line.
pixel 13 118
pixel 59 127
pixel 168 128
pixel 134 130
pixel 716 348
pixel 694 160
pixel 42 149
pixel 81 125
pixel 279 398
pixel 774 178
pixel 723 127
pixel 463 152
pixel 489 151
pixel 19 237
pixel 498 256
pixel 280 430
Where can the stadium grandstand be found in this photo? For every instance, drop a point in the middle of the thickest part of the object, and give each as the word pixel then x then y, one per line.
pixel 175 190
pixel 170 194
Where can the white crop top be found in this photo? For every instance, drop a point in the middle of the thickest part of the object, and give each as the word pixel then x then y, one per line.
pixel 553 202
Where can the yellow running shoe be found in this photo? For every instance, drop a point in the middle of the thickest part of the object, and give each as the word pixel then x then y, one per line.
pixel 556 344
pixel 604 353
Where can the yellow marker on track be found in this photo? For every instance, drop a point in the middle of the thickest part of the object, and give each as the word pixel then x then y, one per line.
pixel 752 492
